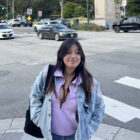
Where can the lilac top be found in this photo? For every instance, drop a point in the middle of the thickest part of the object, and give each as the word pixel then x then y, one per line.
pixel 63 119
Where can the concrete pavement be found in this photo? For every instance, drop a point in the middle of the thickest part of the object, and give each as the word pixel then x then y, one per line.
pixel 12 129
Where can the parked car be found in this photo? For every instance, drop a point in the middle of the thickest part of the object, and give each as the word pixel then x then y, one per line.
pixel 57 32
pixel 6 31
pixel 13 22
pixel 2 21
pixel 43 23
pixel 127 24
pixel 26 23
pixel 45 19
pixel 65 22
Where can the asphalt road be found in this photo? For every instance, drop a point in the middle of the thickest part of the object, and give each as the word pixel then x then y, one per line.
pixel 109 57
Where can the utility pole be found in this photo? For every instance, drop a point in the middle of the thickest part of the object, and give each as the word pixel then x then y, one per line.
pixel 7 8
pixel 87 11
pixel 13 9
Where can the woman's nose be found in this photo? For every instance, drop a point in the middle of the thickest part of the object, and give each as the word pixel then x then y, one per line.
pixel 73 55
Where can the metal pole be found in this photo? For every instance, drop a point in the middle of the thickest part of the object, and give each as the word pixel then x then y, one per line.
pixel 13 9
pixel 7 8
pixel 87 12
pixel 124 11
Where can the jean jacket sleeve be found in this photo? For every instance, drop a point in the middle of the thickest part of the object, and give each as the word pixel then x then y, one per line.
pixel 98 113
pixel 37 93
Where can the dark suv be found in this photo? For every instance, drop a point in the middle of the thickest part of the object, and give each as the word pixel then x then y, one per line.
pixel 126 24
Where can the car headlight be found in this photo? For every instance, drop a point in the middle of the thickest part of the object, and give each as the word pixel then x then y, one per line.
pixel 62 33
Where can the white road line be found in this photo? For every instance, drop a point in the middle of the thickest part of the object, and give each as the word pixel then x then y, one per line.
pixel 18 35
pixel 120 111
pixel 128 81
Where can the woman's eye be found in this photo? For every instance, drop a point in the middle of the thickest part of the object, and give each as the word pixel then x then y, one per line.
pixel 68 52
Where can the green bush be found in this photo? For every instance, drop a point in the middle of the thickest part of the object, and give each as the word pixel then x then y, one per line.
pixel 88 27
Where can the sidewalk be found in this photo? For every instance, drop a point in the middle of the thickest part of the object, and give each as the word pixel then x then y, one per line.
pixel 12 129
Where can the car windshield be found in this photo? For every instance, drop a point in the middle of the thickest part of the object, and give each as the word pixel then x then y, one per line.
pixel 60 27
pixel 4 27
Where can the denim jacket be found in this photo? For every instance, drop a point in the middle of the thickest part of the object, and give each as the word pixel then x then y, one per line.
pixel 90 114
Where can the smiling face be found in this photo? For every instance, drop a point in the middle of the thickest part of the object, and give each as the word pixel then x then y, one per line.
pixel 73 58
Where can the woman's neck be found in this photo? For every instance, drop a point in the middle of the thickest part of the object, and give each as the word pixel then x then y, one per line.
pixel 69 72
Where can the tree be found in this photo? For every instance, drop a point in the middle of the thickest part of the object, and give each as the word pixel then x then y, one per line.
pixel 62 7
pixel 79 11
pixel 133 7
pixel 69 9
pixel 46 6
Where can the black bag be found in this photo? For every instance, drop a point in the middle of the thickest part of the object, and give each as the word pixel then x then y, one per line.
pixel 30 128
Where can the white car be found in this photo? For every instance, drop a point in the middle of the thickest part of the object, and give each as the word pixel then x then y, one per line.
pixel 41 24
pixel 6 31
pixel 13 22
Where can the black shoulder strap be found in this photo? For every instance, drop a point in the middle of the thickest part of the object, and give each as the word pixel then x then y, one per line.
pixel 50 71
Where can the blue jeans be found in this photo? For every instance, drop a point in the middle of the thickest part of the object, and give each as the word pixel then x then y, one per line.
pixel 57 137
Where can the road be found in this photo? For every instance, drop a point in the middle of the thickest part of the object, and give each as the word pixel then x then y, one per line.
pixel 112 58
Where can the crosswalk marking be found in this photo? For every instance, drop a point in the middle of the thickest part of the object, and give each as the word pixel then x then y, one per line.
pixel 120 111
pixel 128 81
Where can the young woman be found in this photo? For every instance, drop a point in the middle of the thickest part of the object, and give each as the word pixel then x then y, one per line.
pixel 73 106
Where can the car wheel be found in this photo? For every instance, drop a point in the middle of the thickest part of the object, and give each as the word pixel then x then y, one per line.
pixel 56 37
pixel 40 36
pixel 125 31
pixel 117 29
pixel 35 29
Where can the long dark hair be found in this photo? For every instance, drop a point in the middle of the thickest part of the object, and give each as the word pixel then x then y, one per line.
pixel 87 80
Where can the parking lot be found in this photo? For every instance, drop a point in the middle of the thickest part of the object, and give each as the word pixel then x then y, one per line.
pixel 109 57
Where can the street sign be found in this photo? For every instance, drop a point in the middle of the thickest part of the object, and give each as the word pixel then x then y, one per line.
pixel 29 18
pixel 39 13
pixel 124 3
pixel 29 11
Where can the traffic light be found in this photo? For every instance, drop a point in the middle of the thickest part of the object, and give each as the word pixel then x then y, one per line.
pixel 3 8
pixel 121 8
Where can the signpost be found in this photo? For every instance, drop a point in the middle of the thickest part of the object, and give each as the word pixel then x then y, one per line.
pixel 29 12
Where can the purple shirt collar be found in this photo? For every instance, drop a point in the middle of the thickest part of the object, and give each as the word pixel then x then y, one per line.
pixel 77 80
